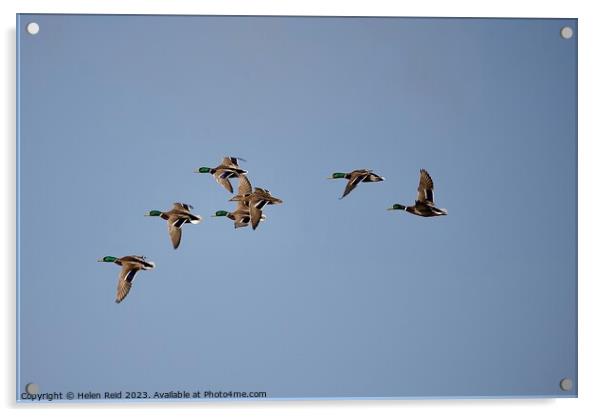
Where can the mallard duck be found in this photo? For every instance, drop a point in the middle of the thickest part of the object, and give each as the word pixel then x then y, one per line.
pixel 241 216
pixel 129 266
pixel 176 217
pixel 254 201
pixel 222 173
pixel 355 177
pixel 425 203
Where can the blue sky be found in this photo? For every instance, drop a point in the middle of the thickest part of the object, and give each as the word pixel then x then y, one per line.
pixel 329 297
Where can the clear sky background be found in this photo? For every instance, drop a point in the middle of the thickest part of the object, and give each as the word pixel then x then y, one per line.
pixel 328 297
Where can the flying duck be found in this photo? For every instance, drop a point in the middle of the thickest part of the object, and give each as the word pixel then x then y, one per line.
pixel 222 173
pixel 355 177
pixel 129 266
pixel 176 217
pixel 425 204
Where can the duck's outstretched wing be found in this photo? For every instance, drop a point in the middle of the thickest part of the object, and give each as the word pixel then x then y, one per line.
pixel 182 206
pixel 244 188
pixel 356 178
pixel 231 161
pixel 174 226
pixel 125 281
pixel 221 177
pixel 425 188
pixel 256 213
pixel 244 185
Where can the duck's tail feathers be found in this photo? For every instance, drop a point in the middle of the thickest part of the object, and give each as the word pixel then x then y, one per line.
pixel 194 219
pixel 149 265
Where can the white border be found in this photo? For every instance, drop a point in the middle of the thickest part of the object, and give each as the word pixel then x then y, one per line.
pixel 590 137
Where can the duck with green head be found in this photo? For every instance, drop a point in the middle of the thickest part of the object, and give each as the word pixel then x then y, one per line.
pixel 129 266
pixel 424 205
pixel 222 173
pixel 176 218
pixel 355 177
pixel 241 217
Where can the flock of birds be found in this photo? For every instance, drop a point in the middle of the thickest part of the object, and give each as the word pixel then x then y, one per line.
pixel 249 210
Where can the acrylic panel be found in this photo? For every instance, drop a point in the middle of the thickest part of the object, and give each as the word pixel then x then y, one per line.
pixel 464 288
